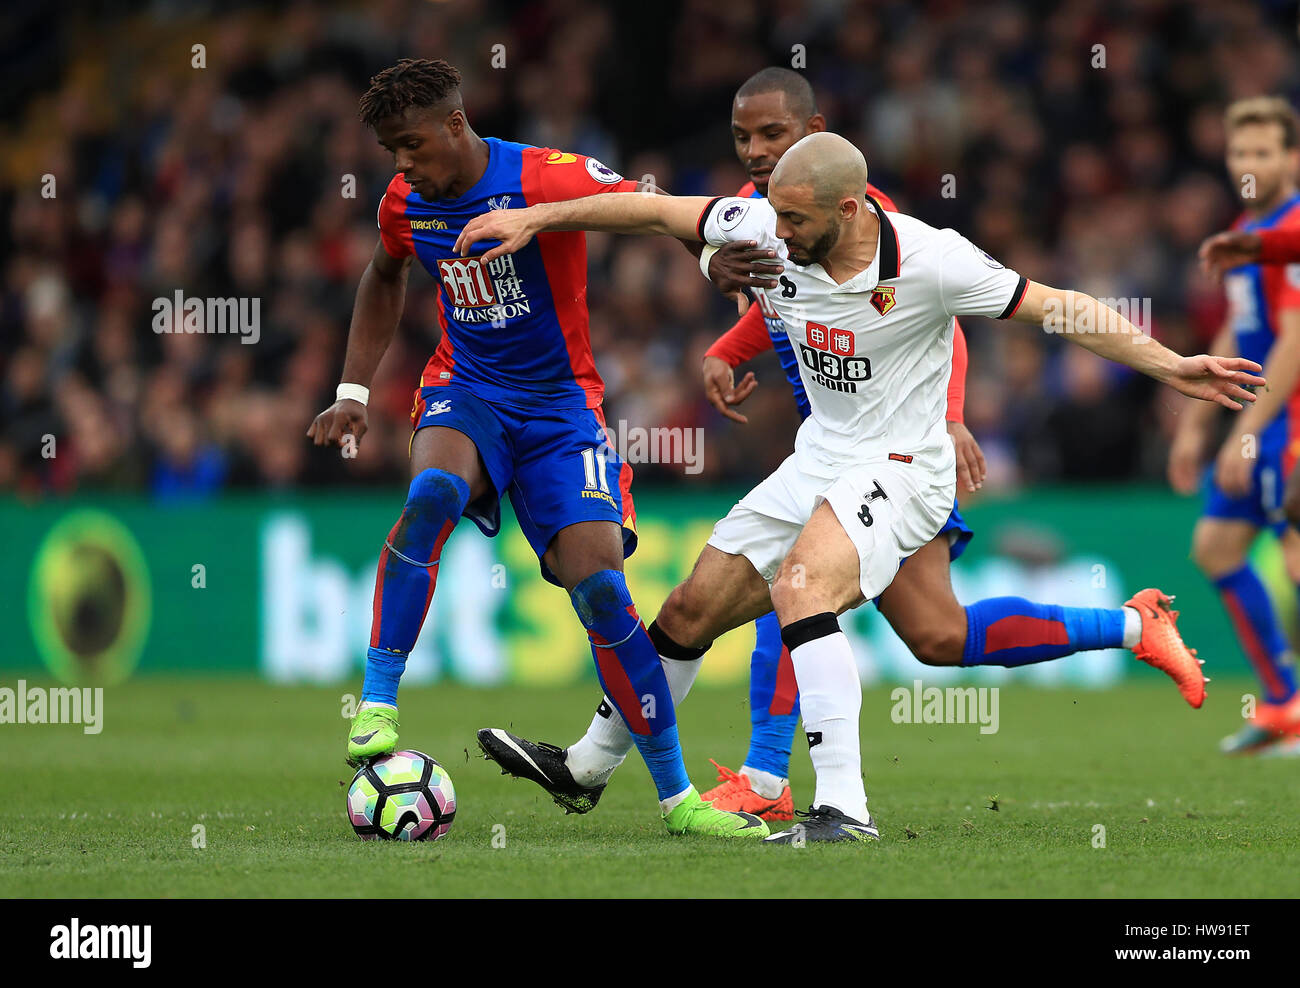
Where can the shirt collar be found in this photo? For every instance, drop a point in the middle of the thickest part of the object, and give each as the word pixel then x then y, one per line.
pixel 887 252
pixel 1272 217
pixel 884 265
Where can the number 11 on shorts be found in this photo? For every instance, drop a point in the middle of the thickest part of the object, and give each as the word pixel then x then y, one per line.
pixel 593 465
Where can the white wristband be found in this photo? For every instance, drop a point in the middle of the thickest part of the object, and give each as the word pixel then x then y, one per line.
pixel 705 256
pixel 354 391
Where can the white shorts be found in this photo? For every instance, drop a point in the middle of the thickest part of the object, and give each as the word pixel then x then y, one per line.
pixel 888 508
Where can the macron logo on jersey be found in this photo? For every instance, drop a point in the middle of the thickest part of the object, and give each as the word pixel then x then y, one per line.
pixel 438 407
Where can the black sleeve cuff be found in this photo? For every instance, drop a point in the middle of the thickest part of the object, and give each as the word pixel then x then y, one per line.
pixel 704 215
pixel 1017 297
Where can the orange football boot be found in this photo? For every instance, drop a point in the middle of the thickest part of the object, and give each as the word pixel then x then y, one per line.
pixel 1275 725
pixel 734 793
pixel 1287 747
pixel 1162 646
pixel 1280 718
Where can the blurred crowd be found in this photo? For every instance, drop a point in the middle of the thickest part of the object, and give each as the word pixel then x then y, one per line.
pixel 1080 143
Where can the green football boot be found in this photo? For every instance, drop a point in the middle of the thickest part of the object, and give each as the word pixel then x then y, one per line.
pixel 373 733
pixel 694 816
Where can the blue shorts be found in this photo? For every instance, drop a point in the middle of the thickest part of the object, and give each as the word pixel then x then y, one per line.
pixel 557 464
pixel 956 531
pixel 1262 507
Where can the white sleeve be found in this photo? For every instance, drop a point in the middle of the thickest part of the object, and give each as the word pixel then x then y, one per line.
pixel 974 284
pixel 730 218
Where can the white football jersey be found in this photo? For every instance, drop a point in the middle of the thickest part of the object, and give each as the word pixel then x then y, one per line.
pixel 875 353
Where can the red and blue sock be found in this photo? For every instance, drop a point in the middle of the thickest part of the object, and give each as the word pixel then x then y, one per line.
pixel 1000 631
pixel 408 572
pixel 632 675
pixel 773 700
pixel 1256 624
pixel 1013 631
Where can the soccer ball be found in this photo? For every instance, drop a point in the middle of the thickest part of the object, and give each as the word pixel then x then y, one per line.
pixel 403 796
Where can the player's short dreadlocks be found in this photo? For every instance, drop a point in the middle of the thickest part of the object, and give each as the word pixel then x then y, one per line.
pixel 411 83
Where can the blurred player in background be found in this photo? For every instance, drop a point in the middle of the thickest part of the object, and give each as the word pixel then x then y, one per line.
pixel 1243 488
pixel 824 531
pixel 1230 249
pixel 509 402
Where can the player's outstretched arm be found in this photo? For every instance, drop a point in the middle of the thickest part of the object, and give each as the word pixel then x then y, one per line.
pixel 1093 326
pixel 614 212
pixel 375 314
pixel 1231 248
pixel 1227 250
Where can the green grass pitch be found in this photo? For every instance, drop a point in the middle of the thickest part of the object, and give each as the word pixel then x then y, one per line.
pixel 261 769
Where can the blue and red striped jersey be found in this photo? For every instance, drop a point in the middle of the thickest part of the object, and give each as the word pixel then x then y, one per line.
pixel 514 330
pixel 1257 294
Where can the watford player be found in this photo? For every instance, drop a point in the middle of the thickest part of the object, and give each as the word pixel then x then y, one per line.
pixel 870 307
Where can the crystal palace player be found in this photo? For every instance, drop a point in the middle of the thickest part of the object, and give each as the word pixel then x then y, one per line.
pixel 1244 490
pixel 872 298
pixel 510 401
pixel 772 110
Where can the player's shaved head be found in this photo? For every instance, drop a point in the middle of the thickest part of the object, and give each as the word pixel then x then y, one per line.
pixel 818 190
pixel 826 163
pixel 797 91
pixel 412 84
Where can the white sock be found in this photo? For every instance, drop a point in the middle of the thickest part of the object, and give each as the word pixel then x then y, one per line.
pixel 1132 627
pixel 680 674
pixel 666 805
pixel 830 699
pixel 766 784
pixel 367 704
pixel 593 757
